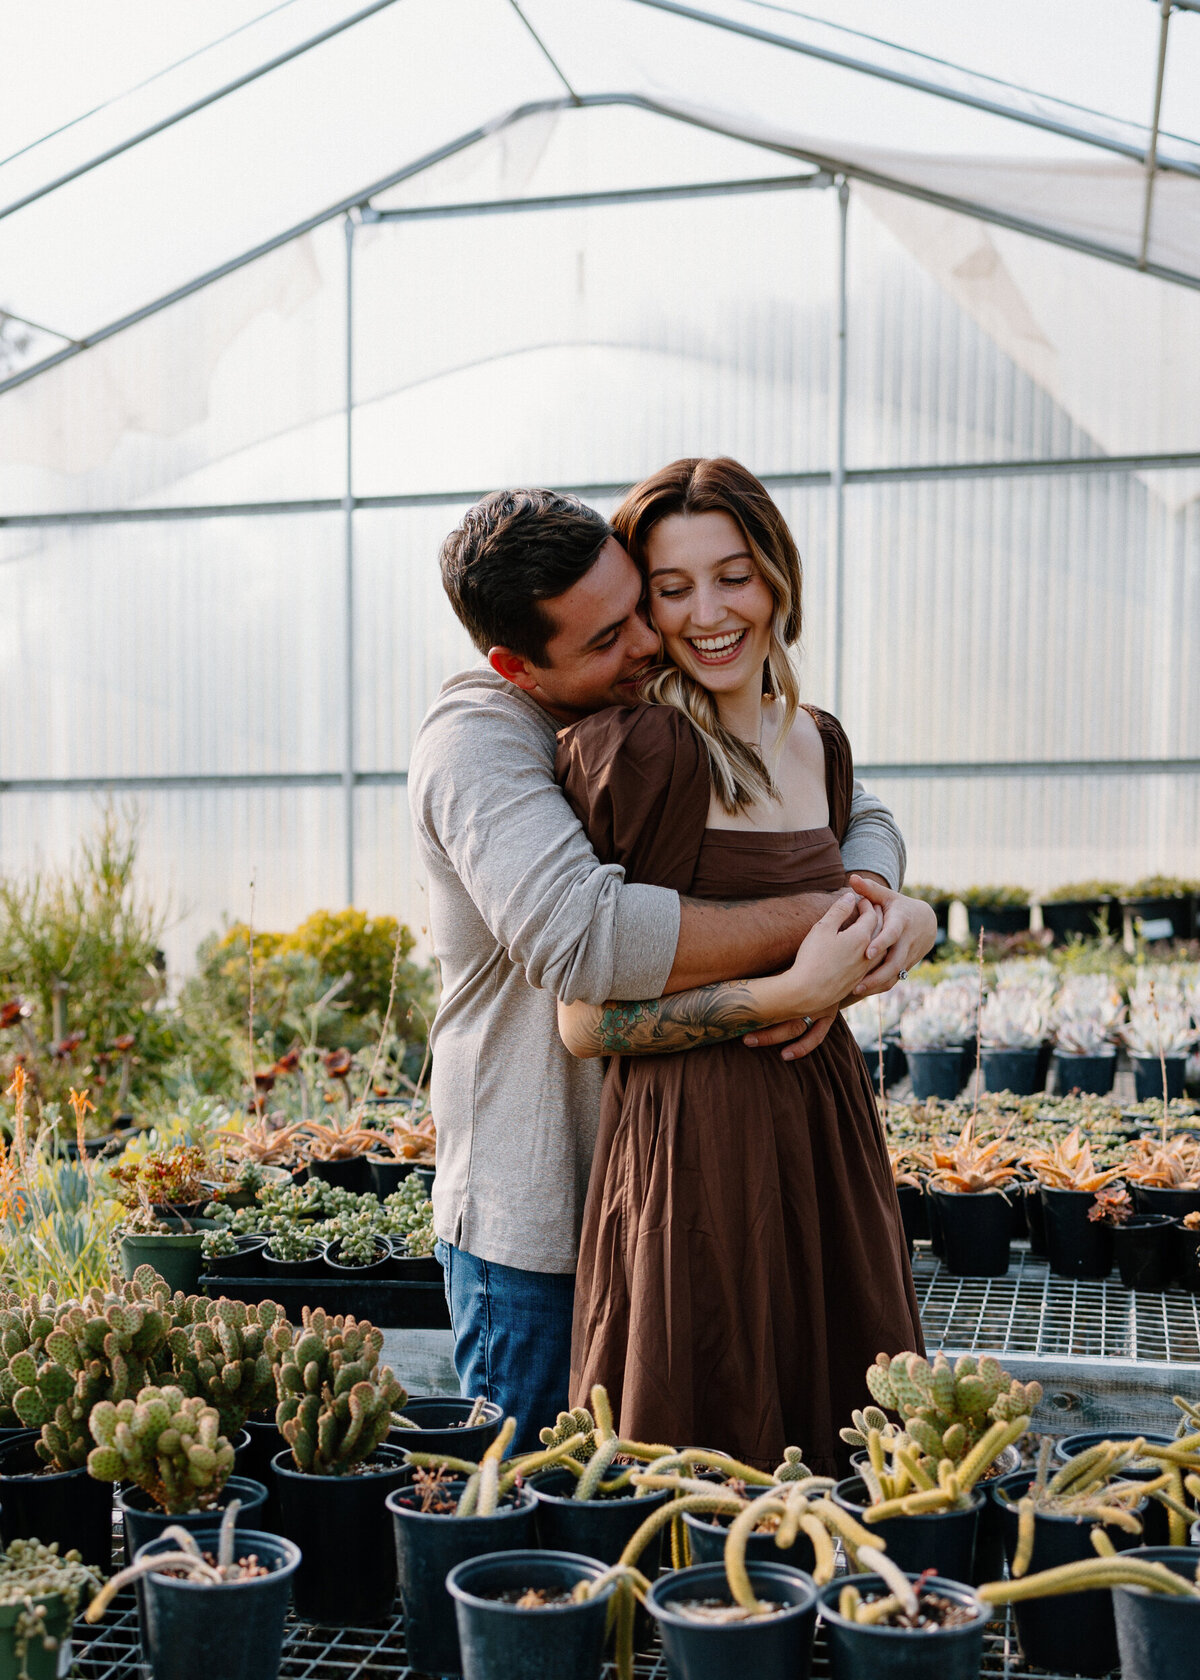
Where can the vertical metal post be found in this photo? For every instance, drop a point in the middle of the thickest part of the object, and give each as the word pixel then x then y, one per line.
pixel 1152 149
pixel 348 568
pixel 838 475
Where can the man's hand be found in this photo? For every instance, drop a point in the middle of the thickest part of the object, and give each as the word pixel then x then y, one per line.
pixel 797 1038
pixel 909 931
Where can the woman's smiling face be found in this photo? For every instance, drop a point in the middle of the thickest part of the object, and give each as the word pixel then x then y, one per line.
pixel 708 600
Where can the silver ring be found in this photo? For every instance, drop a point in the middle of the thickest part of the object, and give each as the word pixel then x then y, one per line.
pixel 808 1021
pixel 903 974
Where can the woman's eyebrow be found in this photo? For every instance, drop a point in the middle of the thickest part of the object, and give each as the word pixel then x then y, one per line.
pixel 738 554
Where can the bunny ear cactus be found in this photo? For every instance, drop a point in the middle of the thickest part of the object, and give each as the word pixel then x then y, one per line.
pixel 24 1326
pixel 335 1400
pixel 168 1443
pixel 567 1425
pixel 105 1347
pixel 946 1409
pixel 230 1357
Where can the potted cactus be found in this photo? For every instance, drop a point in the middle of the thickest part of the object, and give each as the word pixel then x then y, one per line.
pixel 356 1249
pixel 523 1613
pixel 444 1424
pixel 105 1347
pixel 956 1421
pixel 211 1601
pixel 1077 1245
pixel 335 1411
pixel 972 1185
pixel 893 1626
pixel 40 1593
pixel 1142 1241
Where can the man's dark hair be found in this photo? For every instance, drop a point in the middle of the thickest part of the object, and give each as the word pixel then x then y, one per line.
pixel 513 550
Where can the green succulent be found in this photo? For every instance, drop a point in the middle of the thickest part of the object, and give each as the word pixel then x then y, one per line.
pixel 946 1409
pixel 168 1443
pixel 31 1574
pixel 335 1399
pixel 229 1358
pixel 579 1421
pixel 292 1241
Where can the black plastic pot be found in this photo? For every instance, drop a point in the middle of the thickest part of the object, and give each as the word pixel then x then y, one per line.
pixel 1158 1635
pixel 943 1540
pixel 1185 1257
pixel 1144 1250
pixel 414 1268
pixel 235 1630
pixel 440 1430
pixel 242 1264
pixel 428 1547
pixel 1156 1530
pixel 595 1528
pixel 998 918
pixel 1076 1246
pixel 1149 1198
pixel 707 1536
pixel 500 1641
pixel 254 1461
pixel 387 1175
pixel 347 1572
pixel 989 1536
pixel 1071 1633
pixel 312 1267
pixel 67 1506
pixel 1012 1070
pixel 1084 917
pixel 145 1522
pixel 770 1648
pixel 1092 1076
pixel 1035 1220
pixel 350 1174
pixel 1148 1076
pixel 1177 909
pixel 976 1231
pixel 883 1653
pixel 936 1073
pixel 379 1267
pixel 912 1211
pixel 426 1175
pixel 933 1219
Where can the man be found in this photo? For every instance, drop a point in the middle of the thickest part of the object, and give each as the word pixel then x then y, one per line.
pixel 522 913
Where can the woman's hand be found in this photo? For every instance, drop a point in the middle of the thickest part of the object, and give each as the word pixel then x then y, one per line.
pixel 831 961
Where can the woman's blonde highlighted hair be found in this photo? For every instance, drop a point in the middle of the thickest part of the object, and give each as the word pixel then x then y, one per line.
pixel 740 773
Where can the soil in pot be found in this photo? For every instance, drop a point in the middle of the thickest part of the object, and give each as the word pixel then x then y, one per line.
pixel 943 1541
pixel 707 1536
pixel 1158 1635
pixel 517 1620
pixel 353 1173
pixel 976 1231
pixel 1155 1522
pixel 233 1631
pixel 1012 1070
pixel 1145 1251
pixel 936 1073
pixel 145 1522
pixel 1072 1633
pixel 779 1644
pixel 1148 1076
pixel 429 1544
pixel 347 1572
pixel 67 1506
pixel 949 1645
pixel 1076 1246
pixel 1091 1076
pixel 174 1254
pixel 442 1428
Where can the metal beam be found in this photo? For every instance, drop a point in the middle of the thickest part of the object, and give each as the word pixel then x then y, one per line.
pixel 974 769
pixel 348 574
pixel 588 200
pixel 837 478
pixel 1180 460
pixel 1152 149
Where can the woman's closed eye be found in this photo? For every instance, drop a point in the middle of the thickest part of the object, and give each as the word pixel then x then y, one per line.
pixel 682 589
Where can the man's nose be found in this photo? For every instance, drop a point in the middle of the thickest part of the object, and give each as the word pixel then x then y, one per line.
pixel 645 639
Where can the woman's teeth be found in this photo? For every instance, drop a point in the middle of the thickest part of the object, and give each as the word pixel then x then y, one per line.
pixel 717 648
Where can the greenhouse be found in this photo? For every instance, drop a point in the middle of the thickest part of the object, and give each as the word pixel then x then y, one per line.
pixel 286 289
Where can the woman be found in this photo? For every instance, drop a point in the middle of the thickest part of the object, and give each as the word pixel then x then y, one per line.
pixel 742 1259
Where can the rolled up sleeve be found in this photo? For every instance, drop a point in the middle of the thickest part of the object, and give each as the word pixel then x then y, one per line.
pixel 873 841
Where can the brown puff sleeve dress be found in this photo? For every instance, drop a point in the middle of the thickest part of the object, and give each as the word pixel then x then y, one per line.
pixel 742 1259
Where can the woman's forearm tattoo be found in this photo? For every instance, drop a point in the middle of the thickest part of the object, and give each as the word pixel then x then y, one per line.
pixel 707 1015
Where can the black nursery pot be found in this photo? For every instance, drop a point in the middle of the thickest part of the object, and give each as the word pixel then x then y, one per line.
pixel 1076 1246
pixel 145 1522
pixel 428 1547
pixel 883 1653
pixel 778 1645
pixel 1035 1220
pixel 1148 1076
pixel 933 1220
pixel 350 1174
pixel 235 1630
pixel 1092 1076
pixel 1071 1633
pixel 596 1528
pixel 67 1506
pixel 312 1266
pixel 976 1230
pixel 943 1541
pixel 1156 1529
pixel 1012 1070
pixel 347 1572
pixel 379 1267
pixel 500 1641
pixel 440 1430
pixel 936 1073
pixel 998 918
pixel 1145 1251
pixel 1150 1198
pixel 707 1537
pixel 1158 1635
pixel 1075 915
pixel 1185 1257
pixel 426 1175
pixel 244 1263
pixel 912 1212
pixel 387 1175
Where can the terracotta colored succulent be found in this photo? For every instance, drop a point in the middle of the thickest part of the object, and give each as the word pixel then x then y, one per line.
pixel 972 1167
pixel 338 1063
pixel 906 1165
pixel 1173 1165
pixel 1069 1165
pixel 417 1141
pixel 1111 1207
pixel 337 1142
pixel 264 1144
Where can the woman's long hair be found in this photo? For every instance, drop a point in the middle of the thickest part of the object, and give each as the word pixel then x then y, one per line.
pixel 719 485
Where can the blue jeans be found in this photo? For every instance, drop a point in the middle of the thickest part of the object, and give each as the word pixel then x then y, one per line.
pixel 512 1337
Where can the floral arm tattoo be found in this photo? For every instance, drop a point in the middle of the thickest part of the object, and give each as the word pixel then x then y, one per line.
pixel 707 1015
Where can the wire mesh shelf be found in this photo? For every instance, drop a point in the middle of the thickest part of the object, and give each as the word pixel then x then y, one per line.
pixel 1031 1312
pixel 112 1652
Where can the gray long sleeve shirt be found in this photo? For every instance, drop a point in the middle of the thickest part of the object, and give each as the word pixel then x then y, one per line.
pixel 522 913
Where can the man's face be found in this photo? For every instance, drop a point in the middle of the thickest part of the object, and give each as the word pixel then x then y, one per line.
pixel 601 643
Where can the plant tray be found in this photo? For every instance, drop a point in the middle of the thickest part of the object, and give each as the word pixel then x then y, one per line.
pixel 400 1304
pixel 112 1652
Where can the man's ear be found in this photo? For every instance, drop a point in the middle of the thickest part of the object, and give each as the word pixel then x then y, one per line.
pixel 512 668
